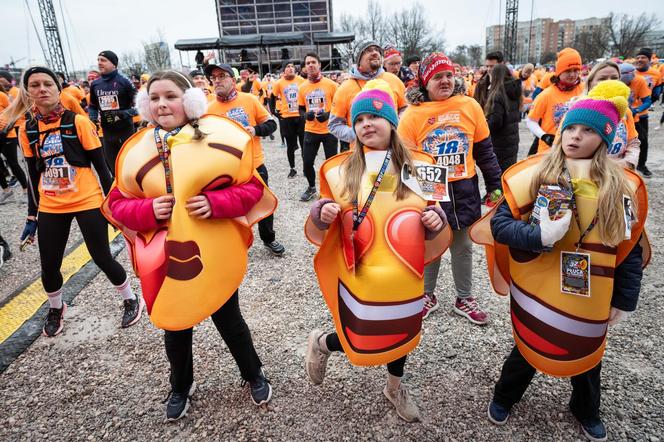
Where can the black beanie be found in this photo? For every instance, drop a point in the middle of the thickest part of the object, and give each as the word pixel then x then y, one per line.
pixel 645 51
pixel 110 55
pixel 40 70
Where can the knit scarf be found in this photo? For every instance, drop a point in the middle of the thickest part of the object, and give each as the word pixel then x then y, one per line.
pixel 230 97
pixel 566 87
pixel 50 117
pixel 316 79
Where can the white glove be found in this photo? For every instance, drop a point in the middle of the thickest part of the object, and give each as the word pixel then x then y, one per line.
pixel 617 315
pixel 553 231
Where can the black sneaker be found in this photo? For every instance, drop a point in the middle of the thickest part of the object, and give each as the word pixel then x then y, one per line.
pixel 275 247
pixel 644 171
pixel 132 311
pixel 308 194
pixel 497 413
pixel 593 428
pixel 271 137
pixel 260 390
pixel 54 321
pixel 177 404
pixel 292 173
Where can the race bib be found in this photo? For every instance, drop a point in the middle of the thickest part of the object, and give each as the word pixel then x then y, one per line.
pixel 58 175
pixel 316 101
pixel 449 145
pixel 291 98
pixel 109 102
pixel 454 162
pixel 575 273
pixel 428 181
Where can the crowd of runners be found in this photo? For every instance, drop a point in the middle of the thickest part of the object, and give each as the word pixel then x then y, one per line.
pixel 162 158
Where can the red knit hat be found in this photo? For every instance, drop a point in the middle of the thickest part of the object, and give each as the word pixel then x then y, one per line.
pixel 432 64
pixel 390 51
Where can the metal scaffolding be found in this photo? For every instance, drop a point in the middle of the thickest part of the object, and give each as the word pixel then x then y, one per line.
pixel 511 18
pixel 56 59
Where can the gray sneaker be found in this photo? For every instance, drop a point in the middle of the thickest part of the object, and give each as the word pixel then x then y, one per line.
pixel 315 360
pixel 403 403
pixel 5 195
pixel 308 194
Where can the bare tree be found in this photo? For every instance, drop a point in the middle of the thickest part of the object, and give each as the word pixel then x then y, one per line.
pixel 460 55
pixel 626 32
pixel 375 25
pixel 592 44
pixel 413 33
pixel 133 63
pixel 475 55
pixel 348 23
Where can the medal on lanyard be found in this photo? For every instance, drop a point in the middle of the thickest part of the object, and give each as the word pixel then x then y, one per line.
pixel 575 266
pixel 164 154
pixel 359 215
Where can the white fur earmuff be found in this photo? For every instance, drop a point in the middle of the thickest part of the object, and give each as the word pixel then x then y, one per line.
pixel 195 103
pixel 143 106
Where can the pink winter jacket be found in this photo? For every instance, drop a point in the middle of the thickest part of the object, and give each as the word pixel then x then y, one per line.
pixel 229 202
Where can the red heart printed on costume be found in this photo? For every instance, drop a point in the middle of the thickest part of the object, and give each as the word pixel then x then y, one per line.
pixel 151 265
pixel 355 248
pixel 378 104
pixel 405 236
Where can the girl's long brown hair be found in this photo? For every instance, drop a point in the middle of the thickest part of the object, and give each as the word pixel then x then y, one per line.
pixel 607 175
pixel 355 165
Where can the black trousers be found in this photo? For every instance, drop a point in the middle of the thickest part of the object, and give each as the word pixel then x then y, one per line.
pixel 517 374
pixel 506 159
pixel 642 130
pixel 114 138
pixel 395 368
pixel 293 129
pixel 343 146
pixel 266 225
pixel 235 333
pixel 9 149
pixel 53 232
pixel 312 143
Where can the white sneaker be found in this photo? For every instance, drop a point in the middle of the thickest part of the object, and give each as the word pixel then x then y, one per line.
pixel 403 403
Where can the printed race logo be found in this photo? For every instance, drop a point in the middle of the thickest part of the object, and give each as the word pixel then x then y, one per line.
pixel 620 141
pixel 238 115
pixel 445 140
pixel 559 111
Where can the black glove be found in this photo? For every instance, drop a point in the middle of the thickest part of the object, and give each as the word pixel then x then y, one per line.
pixel 323 116
pixel 311 115
pixel 30 230
pixel 548 139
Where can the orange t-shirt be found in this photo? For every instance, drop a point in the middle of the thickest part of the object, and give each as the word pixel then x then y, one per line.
pixel 247 111
pixel 64 188
pixel 13 93
pixel 351 87
pixel 638 91
pixel 287 91
pixel 70 103
pixel 652 77
pixel 317 97
pixel 447 130
pixel 267 87
pixel 545 81
pixel 550 106
pixel 75 92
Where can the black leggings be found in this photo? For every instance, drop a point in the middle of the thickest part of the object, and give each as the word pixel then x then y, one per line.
pixel 293 131
pixel 266 225
pixel 311 145
pixel 8 148
pixel 642 131
pixel 395 368
pixel 52 237
pixel 235 333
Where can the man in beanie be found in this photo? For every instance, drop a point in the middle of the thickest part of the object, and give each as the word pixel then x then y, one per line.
pixel 653 80
pixel 369 66
pixel 112 105
pixel 392 59
pixel 413 64
pixel 552 104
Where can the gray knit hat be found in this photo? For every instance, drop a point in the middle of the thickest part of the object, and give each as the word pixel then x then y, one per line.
pixel 366 45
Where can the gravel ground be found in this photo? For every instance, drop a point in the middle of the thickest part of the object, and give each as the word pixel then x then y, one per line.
pixel 96 381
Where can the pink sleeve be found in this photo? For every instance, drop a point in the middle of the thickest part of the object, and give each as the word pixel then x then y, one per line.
pixel 235 201
pixel 135 213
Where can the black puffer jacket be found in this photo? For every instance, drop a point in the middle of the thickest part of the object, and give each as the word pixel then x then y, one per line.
pixel 504 121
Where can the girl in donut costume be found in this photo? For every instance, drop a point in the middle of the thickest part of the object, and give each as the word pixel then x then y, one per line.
pixel 562 301
pixel 185 197
pixel 375 236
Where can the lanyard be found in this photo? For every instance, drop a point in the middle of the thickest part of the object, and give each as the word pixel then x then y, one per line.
pixel 164 154
pixel 575 211
pixel 359 217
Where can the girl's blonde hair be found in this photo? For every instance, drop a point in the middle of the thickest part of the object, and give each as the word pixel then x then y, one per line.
pixel 355 165
pixel 22 104
pixel 593 72
pixel 607 175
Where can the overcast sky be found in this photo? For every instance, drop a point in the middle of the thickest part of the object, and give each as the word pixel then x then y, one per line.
pixel 122 25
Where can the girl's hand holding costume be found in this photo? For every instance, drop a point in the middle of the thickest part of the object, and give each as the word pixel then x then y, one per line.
pixel 199 206
pixel 553 231
pixel 163 207
pixel 329 212
pixel 432 221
